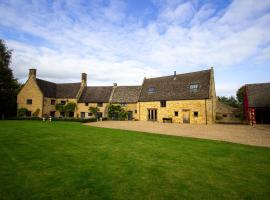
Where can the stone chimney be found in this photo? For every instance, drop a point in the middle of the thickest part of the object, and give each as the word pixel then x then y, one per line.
pixel 84 79
pixel 32 73
pixel 114 84
pixel 174 75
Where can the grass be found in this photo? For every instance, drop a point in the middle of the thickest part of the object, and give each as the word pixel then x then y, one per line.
pixel 65 160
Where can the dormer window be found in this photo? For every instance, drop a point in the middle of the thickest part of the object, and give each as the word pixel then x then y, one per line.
pixel 151 90
pixel 194 87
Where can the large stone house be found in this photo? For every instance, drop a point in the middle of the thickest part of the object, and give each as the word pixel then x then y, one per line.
pixel 180 98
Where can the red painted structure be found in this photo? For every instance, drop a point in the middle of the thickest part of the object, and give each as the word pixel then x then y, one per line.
pixel 258 110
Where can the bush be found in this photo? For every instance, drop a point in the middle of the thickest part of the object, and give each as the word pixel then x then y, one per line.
pixel 75 120
pixel 54 119
pixel 35 114
pixel 24 118
pixel 21 112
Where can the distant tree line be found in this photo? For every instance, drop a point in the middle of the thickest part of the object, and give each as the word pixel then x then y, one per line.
pixel 237 102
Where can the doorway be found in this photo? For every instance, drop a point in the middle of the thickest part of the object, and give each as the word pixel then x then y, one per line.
pixel 130 115
pixel 186 116
pixel 152 114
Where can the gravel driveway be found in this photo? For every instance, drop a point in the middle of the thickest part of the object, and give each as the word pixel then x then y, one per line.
pixel 258 135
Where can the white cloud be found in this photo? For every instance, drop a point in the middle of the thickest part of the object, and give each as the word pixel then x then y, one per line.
pixel 110 47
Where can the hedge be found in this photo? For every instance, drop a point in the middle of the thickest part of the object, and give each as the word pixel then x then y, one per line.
pixel 54 119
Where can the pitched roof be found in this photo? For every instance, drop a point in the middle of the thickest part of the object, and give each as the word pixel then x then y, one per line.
pixel 94 94
pixel 177 87
pixel 58 90
pixel 258 95
pixel 126 94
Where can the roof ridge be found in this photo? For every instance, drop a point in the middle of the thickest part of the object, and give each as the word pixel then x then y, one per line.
pixel 258 83
pixel 67 83
pixel 181 74
pixel 45 80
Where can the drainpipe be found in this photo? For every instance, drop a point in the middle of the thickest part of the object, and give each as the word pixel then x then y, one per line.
pixel 205 111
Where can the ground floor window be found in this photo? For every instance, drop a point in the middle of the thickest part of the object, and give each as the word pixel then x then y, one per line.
pixel 176 113
pixel 71 114
pixel 28 113
pixel 52 113
pixel 196 114
pixel 62 114
pixel 90 114
pixel 152 114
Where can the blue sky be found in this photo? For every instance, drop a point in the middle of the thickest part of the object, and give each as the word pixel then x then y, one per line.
pixel 125 41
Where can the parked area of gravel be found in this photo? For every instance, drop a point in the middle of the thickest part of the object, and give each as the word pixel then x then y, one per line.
pixel 258 135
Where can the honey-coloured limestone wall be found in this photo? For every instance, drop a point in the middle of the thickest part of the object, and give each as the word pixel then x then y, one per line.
pixel 47 107
pixel 203 107
pixel 82 107
pixel 30 90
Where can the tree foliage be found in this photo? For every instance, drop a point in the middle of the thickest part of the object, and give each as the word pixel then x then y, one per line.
pixel 66 108
pixel 22 112
pixel 9 86
pixel 231 101
pixel 240 95
pixel 35 114
pixel 94 111
pixel 116 112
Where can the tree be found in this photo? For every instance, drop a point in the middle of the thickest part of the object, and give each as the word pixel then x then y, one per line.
pixel 94 111
pixel 22 112
pixel 240 95
pixel 9 86
pixel 67 108
pixel 231 101
pixel 116 112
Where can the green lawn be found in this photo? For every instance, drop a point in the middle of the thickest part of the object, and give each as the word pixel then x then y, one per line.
pixel 65 160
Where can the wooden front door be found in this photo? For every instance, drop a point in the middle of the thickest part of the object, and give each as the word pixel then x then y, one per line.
pixel 186 116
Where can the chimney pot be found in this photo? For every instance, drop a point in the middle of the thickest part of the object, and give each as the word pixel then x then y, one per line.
pixel 32 73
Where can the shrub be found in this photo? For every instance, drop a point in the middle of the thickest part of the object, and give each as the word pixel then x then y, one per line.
pixel 22 112
pixel 94 111
pixel 24 118
pixel 35 114
pixel 116 112
pixel 75 120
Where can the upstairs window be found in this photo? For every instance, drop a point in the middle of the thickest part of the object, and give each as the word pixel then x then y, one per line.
pixel 99 104
pixel 151 90
pixel 63 102
pixel 163 104
pixel 196 114
pixel 52 101
pixel 123 104
pixel 194 87
pixel 29 101
pixel 86 104
pixel 176 113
